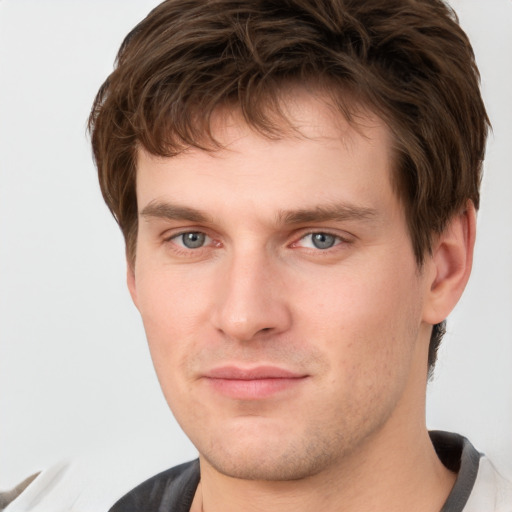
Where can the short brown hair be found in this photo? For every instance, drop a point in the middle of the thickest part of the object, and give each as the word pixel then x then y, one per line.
pixel 406 60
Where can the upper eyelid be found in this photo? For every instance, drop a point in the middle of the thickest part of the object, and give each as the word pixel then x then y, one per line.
pixel 334 235
pixel 295 237
pixel 331 232
pixel 340 241
pixel 181 249
pixel 188 231
pixel 168 234
pixel 301 232
pixel 324 231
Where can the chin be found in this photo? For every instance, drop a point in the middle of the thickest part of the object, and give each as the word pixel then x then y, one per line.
pixel 273 459
pixel 270 468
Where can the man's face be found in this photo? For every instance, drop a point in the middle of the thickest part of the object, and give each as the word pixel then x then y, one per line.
pixel 280 295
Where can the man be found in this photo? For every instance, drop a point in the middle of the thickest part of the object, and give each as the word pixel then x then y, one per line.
pixel 299 222
pixel 297 184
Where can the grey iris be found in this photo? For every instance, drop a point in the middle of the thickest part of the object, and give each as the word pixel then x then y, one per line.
pixel 323 240
pixel 193 240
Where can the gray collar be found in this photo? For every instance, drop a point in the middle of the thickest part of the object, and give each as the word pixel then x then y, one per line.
pixel 460 456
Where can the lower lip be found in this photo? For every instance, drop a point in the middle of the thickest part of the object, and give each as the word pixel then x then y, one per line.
pixel 253 389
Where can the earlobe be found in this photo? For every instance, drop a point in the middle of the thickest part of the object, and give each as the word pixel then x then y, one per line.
pixel 130 280
pixel 452 260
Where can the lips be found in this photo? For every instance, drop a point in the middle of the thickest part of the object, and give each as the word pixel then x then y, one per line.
pixel 252 383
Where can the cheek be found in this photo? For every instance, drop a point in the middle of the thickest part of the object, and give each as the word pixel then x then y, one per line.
pixel 367 320
pixel 173 313
pixel 170 298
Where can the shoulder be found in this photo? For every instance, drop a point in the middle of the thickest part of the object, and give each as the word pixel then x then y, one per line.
pixel 479 486
pixel 492 492
pixel 172 489
pixel 97 481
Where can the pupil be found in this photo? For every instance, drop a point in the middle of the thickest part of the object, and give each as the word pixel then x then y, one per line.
pixel 323 240
pixel 193 240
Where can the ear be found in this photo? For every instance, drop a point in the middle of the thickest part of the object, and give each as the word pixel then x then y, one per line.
pixel 451 262
pixel 130 280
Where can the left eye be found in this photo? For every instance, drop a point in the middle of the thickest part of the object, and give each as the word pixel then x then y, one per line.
pixel 319 241
pixel 191 239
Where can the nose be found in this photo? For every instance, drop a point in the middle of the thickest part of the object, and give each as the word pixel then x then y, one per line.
pixel 251 302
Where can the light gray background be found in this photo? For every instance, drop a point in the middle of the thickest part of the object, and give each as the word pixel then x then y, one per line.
pixel 75 373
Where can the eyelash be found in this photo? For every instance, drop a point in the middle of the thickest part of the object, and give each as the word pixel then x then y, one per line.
pixel 187 251
pixel 339 240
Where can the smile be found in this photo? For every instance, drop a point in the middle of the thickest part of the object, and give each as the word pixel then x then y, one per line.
pixel 252 384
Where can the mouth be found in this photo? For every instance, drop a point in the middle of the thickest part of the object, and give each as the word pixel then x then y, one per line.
pixel 253 383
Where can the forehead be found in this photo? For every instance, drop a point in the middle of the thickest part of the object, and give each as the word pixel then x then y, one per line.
pixel 318 157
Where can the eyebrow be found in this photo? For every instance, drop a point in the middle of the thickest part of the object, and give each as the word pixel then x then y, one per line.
pixel 337 212
pixel 170 211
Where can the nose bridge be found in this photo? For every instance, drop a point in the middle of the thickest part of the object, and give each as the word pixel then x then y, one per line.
pixel 251 301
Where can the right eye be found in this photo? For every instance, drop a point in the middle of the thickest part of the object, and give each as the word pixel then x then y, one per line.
pixel 191 239
pixel 320 240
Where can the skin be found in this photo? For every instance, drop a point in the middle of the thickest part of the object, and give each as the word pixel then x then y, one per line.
pixel 350 322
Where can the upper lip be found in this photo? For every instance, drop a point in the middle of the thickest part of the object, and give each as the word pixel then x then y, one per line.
pixel 255 373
